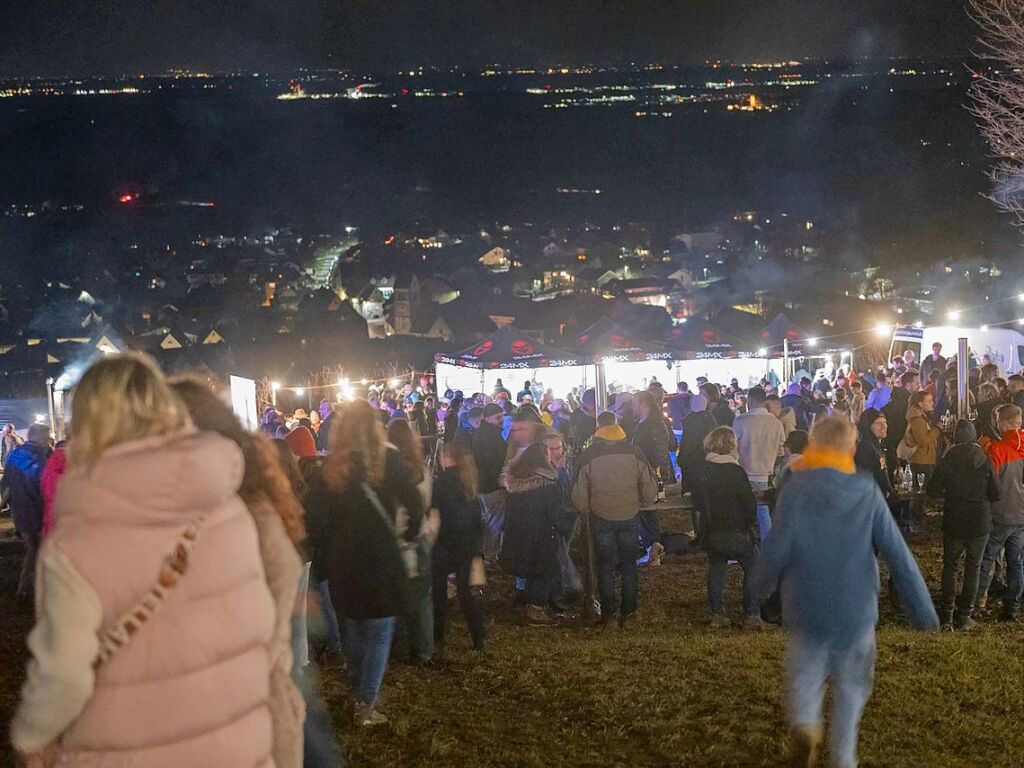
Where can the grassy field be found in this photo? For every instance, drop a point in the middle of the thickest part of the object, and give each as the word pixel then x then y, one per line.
pixel 668 691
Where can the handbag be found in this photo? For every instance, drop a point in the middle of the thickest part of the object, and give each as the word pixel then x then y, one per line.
pixel 118 635
pixel 730 544
pixel 907 446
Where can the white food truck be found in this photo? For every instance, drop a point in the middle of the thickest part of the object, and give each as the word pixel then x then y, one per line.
pixel 1003 346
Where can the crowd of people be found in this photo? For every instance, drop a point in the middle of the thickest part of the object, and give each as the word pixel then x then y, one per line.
pixel 377 513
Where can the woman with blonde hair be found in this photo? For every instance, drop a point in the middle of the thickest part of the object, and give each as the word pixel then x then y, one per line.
pixel 352 517
pixel 133 660
pixel 727 515
pixel 267 492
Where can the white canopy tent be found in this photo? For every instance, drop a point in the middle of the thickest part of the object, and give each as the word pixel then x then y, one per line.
pixel 561 380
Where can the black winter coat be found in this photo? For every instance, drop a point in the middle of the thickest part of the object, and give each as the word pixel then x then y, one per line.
pixel 985 426
pixel 535 519
pixel 461 534
pixel 724 499
pixel 652 438
pixel 965 476
pixel 22 472
pixel 354 549
pixel 870 459
pixel 696 426
pixel 723 414
pixel 895 412
pixel 489 451
pixel 583 427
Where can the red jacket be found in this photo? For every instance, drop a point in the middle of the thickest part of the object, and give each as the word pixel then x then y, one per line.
pixel 1007 457
pixel 52 472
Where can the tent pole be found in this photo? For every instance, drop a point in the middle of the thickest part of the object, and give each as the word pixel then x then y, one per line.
pixel 482 381
pixel 600 388
pixel 785 361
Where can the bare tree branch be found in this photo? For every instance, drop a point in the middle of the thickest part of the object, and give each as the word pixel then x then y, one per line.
pixel 998 98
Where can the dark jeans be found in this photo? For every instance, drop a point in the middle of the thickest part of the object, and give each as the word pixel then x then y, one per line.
pixel 650 528
pixel 952 549
pixel 716 584
pixel 615 542
pixel 541 589
pixel 1010 539
pixel 418 616
pixel 27 579
pixel 472 605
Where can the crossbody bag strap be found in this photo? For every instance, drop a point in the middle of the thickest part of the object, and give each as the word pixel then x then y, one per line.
pixel 118 635
pixel 378 507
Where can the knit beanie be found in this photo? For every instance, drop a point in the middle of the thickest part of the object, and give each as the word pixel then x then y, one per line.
pixel 964 432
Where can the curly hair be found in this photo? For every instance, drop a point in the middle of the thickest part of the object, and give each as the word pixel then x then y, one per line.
pixel 263 479
pixel 721 440
pixel 358 447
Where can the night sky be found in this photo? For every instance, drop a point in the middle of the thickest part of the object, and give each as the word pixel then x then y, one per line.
pixel 76 37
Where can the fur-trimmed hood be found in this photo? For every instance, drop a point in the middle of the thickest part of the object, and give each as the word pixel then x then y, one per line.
pixel 538 479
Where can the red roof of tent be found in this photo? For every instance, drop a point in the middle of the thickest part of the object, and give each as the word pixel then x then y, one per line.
pixel 779 329
pixel 607 339
pixel 698 339
pixel 507 348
